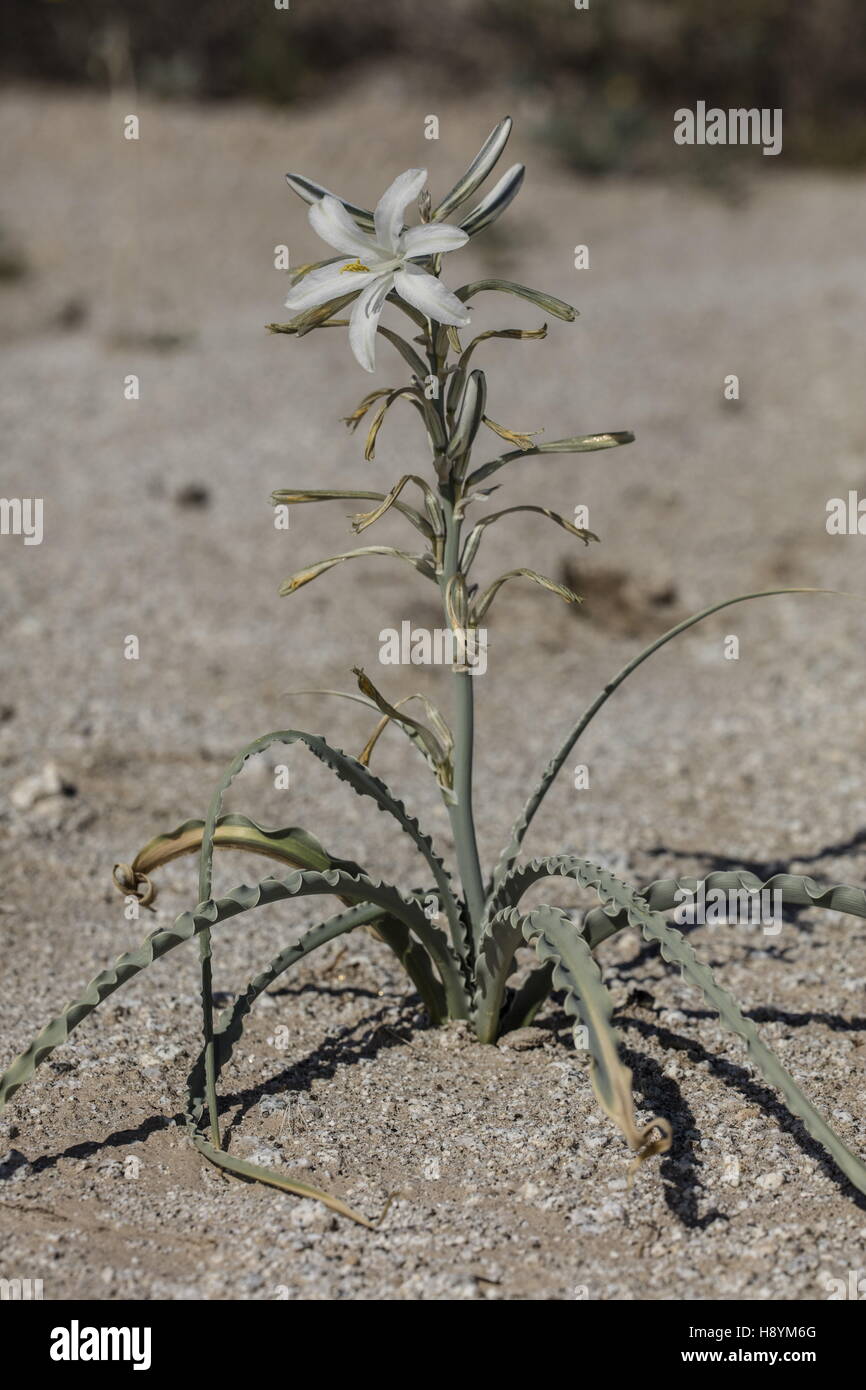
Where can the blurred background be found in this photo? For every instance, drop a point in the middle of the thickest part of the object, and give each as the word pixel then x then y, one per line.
pixel 602 81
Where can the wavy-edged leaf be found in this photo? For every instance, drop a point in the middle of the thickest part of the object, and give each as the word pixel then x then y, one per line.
pixel 473 540
pixel 557 941
pixel 502 924
pixel 502 929
pixel 496 201
pixel 499 938
pixel 312 192
pixel 483 602
pixel 527 999
pixel 677 951
pixel 184 928
pixel 796 890
pixel 524 820
pixel 289 845
pixel 56 1032
pixel 229 1027
pixel 577 444
pixel 364 783
pixel 481 166
pixel 548 302
pixel 618 900
pixel 306 576
pixel 368 894
pixel 292 846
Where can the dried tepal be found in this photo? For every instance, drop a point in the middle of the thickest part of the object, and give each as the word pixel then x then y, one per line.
pixel 462 968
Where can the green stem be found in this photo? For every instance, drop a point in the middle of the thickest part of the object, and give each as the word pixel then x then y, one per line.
pixel 209 1050
pixel 205 884
pixel 463 730
pixel 462 818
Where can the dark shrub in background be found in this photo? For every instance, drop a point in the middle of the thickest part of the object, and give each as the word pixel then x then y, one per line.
pixel 605 80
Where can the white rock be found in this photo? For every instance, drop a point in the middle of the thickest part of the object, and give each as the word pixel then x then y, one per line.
pixel 43 784
pixel 771 1182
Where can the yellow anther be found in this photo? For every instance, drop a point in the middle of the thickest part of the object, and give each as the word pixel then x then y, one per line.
pixel 356 265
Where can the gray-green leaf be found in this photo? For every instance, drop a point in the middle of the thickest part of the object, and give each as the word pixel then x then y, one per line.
pixel 477 172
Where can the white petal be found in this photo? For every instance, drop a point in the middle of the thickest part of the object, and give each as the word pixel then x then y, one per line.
pixel 329 282
pixel 365 321
pixel 429 295
pixel 330 220
pixel 388 213
pixel 428 240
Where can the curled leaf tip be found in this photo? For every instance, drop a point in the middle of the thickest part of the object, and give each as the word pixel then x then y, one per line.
pixel 648 1146
pixel 132 883
pixel 522 440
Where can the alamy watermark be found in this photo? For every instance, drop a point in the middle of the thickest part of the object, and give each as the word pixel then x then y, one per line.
pixel 737 126
pixel 20 1290
pixel 846 516
pixel 77 1343
pixel 731 907
pixel 852 1287
pixel 463 648
pixel 22 516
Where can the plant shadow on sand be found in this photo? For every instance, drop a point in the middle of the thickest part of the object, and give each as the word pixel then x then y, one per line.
pixel 679 1168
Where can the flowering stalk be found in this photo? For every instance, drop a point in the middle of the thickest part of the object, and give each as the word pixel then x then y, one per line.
pixel 380 261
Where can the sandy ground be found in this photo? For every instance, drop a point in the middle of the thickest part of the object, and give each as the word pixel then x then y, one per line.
pixel 156 258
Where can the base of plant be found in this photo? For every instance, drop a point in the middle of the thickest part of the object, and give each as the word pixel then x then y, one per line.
pixel 476 992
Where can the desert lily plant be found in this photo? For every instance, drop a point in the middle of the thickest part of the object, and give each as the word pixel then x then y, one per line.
pixel 460 956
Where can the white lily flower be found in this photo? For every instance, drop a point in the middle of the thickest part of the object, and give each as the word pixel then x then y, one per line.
pixel 378 262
